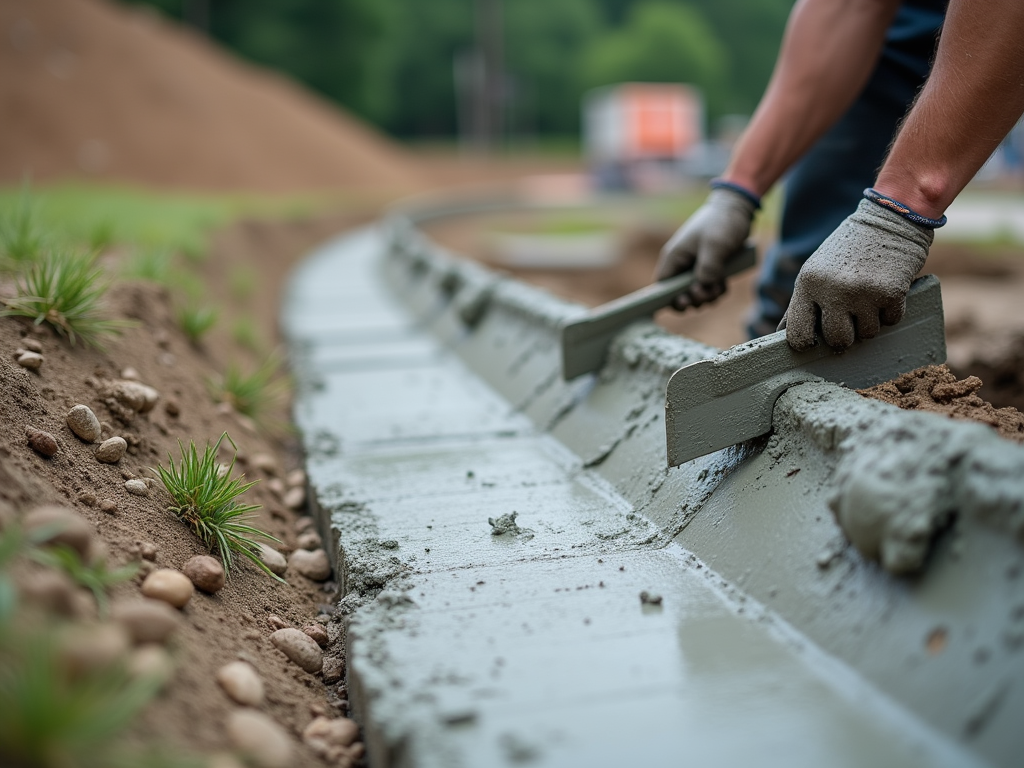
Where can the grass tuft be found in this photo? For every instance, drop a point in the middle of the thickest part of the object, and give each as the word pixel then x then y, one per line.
pixel 64 289
pixel 206 500
pixel 21 241
pixel 196 321
pixel 251 394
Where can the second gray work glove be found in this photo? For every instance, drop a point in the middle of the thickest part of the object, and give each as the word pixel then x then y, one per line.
pixel 709 237
pixel 858 278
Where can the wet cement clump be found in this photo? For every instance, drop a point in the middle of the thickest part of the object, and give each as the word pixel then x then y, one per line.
pixel 505 524
pixel 935 389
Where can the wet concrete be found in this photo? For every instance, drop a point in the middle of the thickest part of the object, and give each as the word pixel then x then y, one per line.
pixel 776 642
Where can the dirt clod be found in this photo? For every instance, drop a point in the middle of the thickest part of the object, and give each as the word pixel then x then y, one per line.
pixel 935 389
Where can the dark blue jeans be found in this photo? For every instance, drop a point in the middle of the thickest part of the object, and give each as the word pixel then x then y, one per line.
pixel 826 185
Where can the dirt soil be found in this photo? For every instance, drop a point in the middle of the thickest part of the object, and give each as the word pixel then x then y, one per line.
pixel 935 389
pixel 103 91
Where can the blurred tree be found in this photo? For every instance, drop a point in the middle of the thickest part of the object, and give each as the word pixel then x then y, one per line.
pixel 662 41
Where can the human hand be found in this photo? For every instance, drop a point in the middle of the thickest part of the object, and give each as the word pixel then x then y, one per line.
pixel 858 279
pixel 716 231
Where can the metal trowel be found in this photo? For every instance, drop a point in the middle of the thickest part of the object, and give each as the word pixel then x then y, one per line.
pixel 585 342
pixel 722 401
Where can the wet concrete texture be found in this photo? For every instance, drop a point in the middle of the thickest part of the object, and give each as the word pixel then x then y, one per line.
pixel 777 642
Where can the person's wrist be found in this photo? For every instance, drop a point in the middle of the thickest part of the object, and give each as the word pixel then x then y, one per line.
pixel 750 197
pixel 901 209
pixel 928 198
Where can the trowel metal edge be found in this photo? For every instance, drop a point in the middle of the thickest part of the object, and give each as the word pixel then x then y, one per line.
pixel 585 342
pixel 722 401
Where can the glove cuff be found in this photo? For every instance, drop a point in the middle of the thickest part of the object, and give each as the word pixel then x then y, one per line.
pixel 742 191
pixel 903 210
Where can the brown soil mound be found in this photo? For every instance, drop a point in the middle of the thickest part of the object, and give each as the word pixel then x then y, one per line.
pixel 935 389
pixel 192 711
pixel 92 88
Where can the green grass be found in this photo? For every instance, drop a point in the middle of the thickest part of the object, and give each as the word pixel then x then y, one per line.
pixel 243 281
pixel 21 237
pixel 252 394
pixel 245 333
pixel 196 320
pixel 64 289
pixel 206 500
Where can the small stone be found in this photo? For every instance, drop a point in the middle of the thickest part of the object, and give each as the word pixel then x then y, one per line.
pixel 304 524
pixel 318 633
pixel 151 662
pixel 147 621
pixel 265 463
pixel 242 683
pixel 136 487
pixel 331 738
pixel 31 360
pixel 87 498
pixel 172 409
pixel 162 339
pixel 147 550
pixel 260 739
pixel 273 559
pixel 206 573
pixel 167 359
pixel 296 478
pixel 276 485
pixel 173 587
pixel 275 622
pixel 108 506
pixel 136 395
pixel 309 540
pixel 333 670
pixel 110 451
pixel 32 345
pixel 300 648
pixel 83 422
pixel 313 565
pixel 41 442
pixel 64 527
pixel 650 598
pixel 53 591
pixel 295 498
pixel 130 374
pixel 85 649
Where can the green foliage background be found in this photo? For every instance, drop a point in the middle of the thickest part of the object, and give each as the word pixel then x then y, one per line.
pixel 392 61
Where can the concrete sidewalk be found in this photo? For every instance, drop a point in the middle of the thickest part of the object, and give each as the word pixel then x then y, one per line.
pixel 534 647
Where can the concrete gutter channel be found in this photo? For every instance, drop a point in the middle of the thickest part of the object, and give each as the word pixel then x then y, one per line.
pixel 430 400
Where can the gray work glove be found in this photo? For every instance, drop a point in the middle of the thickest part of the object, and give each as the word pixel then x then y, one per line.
pixel 709 237
pixel 858 279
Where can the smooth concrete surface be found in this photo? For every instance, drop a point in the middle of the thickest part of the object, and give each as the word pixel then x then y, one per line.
pixel 775 642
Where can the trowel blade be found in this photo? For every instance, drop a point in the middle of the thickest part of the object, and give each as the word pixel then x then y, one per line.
pixel 727 399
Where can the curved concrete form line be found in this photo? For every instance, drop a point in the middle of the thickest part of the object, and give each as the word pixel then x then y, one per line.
pixel 846 591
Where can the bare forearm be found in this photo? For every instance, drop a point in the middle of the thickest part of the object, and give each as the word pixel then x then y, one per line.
pixel 971 100
pixel 828 53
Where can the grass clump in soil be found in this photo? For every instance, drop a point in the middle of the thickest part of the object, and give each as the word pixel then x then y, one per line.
pixel 21 241
pixel 64 289
pixel 206 500
pixel 196 320
pixel 251 394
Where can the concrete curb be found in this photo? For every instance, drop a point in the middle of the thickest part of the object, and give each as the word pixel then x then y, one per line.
pixel 430 400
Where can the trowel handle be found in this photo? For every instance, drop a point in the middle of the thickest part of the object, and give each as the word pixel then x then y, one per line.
pixel 651 298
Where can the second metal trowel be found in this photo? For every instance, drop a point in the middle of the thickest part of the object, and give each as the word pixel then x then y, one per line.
pixel 585 342
pixel 722 401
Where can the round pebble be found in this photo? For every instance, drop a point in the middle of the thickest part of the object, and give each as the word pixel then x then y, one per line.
pixel 265 463
pixel 173 587
pixel 64 526
pixel 273 559
pixel 136 487
pixel 318 633
pixel 51 590
pixel 41 442
pixel 147 550
pixel 83 422
pixel 313 565
pixel 276 622
pixel 206 573
pixel 277 486
pixel 147 621
pixel 299 647
pixel 85 648
pixel 110 451
pixel 151 662
pixel 130 374
pixel 31 360
pixel 295 498
pixel 330 738
pixel 260 739
pixel 136 395
pixel 296 478
pixel 32 345
pixel 304 524
pixel 108 506
pixel 309 540
pixel 242 683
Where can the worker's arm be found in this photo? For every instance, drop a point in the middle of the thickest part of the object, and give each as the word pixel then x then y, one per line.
pixel 828 52
pixel 859 277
